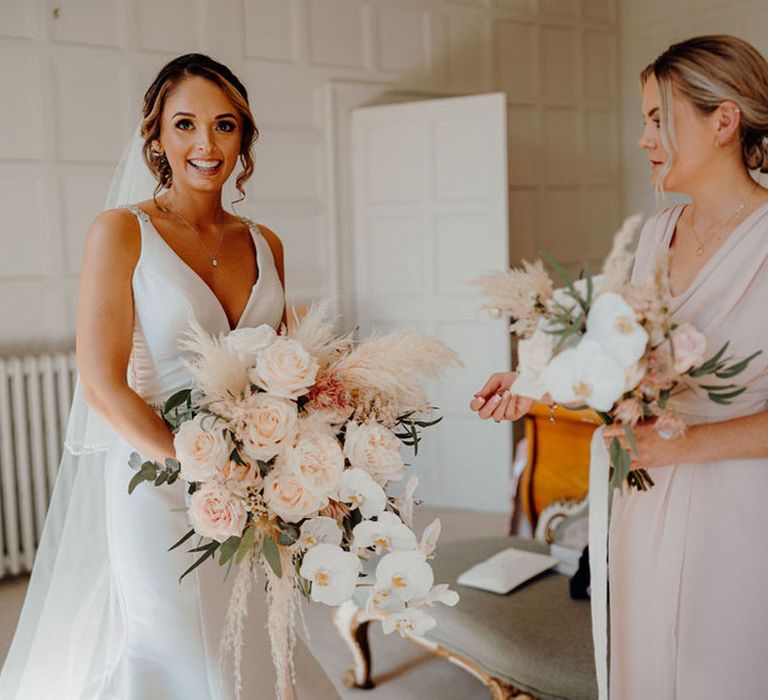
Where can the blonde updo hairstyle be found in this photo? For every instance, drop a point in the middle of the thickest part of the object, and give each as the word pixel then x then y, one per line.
pixel 174 72
pixel 709 70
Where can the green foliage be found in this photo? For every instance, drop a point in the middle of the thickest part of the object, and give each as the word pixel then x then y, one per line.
pixel 271 553
pixel 407 428
pixel 155 472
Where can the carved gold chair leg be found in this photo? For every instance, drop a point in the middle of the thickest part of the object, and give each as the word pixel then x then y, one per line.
pixel 500 690
pixel 354 632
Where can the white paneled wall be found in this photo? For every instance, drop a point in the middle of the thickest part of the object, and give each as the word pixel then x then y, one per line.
pixel 647 29
pixel 72 73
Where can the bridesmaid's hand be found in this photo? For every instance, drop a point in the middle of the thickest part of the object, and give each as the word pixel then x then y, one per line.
pixel 495 401
pixel 652 449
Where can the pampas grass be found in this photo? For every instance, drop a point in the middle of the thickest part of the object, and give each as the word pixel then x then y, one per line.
pixel 237 610
pixel 316 332
pixel 520 293
pixel 384 373
pixel 283 608
pixel 219 372
pixel 618 265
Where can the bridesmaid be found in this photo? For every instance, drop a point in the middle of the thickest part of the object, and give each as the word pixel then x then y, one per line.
pixel 687 560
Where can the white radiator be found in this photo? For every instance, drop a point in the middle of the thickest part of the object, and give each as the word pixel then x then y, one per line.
pixel 35 397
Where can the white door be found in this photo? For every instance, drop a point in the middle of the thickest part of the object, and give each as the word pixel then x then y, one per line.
pixel 430 201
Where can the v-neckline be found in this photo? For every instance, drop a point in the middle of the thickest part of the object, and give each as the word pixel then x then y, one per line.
pixel 196 275
pixel 724 246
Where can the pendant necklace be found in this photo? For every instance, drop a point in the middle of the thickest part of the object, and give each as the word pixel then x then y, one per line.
pixel 213 254
pixel 701 244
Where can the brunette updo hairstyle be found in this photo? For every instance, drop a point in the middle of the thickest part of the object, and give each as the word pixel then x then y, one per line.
pixel 170 75
pixel 708 70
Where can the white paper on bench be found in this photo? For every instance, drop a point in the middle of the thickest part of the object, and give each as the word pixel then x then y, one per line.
pixel 505 570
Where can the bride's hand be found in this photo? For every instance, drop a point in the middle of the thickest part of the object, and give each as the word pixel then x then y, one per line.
pixel 495 401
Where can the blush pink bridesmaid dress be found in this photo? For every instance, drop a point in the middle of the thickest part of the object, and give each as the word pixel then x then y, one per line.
pixel 688 560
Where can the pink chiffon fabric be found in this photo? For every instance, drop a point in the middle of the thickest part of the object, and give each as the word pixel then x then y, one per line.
pixel 688 560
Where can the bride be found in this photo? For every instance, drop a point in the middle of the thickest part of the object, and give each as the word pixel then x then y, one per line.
pixel 105 615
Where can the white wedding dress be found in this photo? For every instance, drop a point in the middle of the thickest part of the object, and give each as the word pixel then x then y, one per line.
pixel 113 622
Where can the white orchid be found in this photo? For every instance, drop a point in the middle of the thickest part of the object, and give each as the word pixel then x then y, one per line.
pixel 585 374
pixel 404 574
pixel 404 502
pixel 332 571
pixel 439 594
pixel 359 489
pixel 410 622
pixel 429 538
pixel 533 355
pixel 386 533
pixel 382 601
pixel 612 324
pixel 319 530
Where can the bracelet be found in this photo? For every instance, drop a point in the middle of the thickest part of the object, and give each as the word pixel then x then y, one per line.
pixel 552 409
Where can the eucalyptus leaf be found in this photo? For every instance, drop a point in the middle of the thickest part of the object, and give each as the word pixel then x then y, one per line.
pixel 182 540
pixel 136 480
pixel 176 400
pixel 271 553
pixel 246 543
pixel 229 549
pixel 208 554
pixel 710 365
pixel 631 438
pixel 559 270
pixel 738 368
pixel 134 461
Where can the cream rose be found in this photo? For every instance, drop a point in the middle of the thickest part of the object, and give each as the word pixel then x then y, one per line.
pixel 289 497
pixel 240 475
pixel 689 346
pixel 250 341
pixel 215 512
pixel 318 461
pixel 269 426
pixel 202 448
pixel 284 369
pixel 375 449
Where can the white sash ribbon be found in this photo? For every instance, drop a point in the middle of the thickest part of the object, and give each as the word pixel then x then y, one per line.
pixel 599 475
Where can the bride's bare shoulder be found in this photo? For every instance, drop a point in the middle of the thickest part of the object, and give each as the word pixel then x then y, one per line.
pixel 114 234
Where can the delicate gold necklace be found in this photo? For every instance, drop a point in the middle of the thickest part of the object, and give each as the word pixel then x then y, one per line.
pixel 213 254
pixel 701 244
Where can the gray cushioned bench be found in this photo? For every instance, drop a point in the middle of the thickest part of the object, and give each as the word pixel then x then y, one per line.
pixel 534 641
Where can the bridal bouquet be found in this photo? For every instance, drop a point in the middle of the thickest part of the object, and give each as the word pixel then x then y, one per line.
pixel 608 344
pixel 287 445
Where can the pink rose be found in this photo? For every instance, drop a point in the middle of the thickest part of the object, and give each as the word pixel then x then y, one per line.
pixel 670 426
pixel 202 448
pixel 629 411
pixel 689 347
pixel 216 513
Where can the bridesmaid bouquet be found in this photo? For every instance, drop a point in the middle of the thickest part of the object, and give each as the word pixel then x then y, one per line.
pixel 287 445
pixel 605 343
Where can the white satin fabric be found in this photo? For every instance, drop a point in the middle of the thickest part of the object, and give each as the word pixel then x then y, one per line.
pixel 112 622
